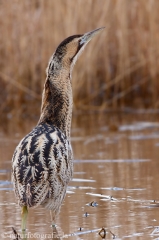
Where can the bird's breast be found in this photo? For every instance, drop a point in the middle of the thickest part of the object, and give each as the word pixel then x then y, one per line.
pixel 42 158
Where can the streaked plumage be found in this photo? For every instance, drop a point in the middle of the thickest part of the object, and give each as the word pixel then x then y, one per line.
pixel 42 162
pixel 42 167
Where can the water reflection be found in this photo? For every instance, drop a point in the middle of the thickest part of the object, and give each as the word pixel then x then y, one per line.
pixel 115 185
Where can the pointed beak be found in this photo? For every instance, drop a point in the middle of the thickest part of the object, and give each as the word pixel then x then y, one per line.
pixel 88 36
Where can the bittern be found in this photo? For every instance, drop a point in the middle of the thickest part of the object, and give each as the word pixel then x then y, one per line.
pixel 42 164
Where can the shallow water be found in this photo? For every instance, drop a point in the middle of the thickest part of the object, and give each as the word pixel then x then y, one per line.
pixel 115 185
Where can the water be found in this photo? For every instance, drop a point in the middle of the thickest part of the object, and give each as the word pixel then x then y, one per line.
pixel 115 185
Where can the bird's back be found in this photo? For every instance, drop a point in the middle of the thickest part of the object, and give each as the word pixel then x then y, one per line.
pixel 42 167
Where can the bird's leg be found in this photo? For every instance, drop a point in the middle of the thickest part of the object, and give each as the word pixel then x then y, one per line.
pixel 52 219
pixel 53 225
pixel 24 218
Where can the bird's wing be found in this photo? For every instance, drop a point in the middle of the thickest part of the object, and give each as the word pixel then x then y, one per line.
pixel 42 165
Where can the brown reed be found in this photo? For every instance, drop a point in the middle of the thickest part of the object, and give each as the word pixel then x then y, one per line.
pixel 120 67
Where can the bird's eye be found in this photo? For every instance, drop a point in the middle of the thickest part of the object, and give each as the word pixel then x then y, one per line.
pixel 81 43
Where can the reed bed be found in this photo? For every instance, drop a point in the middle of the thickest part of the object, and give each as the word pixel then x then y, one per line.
pixel 119 68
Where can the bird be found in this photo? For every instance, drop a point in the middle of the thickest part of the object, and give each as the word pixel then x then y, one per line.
pixel 42 163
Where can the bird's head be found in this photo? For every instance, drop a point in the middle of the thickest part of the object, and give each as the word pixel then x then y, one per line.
pixel 69 51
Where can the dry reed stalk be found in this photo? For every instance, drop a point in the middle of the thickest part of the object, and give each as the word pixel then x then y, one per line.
pixel 113 64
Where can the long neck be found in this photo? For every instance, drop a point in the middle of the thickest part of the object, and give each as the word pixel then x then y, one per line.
pixel 57 102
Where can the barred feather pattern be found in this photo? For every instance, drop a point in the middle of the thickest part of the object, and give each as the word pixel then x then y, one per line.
pixel 42 167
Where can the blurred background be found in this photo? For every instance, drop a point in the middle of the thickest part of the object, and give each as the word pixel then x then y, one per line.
pixel 118 70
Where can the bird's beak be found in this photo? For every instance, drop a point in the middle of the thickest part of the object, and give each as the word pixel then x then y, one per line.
pixel 88 36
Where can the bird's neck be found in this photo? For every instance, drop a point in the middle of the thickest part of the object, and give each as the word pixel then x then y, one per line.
pixel 57 103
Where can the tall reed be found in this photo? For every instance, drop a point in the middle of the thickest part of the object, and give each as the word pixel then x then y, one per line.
pixel 120 68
